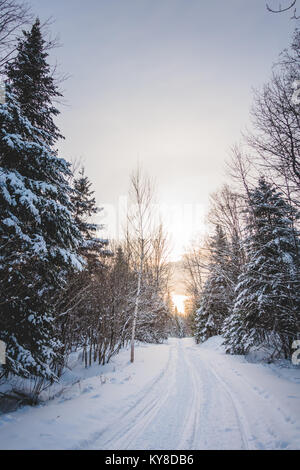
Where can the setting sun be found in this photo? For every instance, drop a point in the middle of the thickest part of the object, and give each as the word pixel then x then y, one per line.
pixel 178 301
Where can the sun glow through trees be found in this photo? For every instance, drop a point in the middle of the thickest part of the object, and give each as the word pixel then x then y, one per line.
pixel 179 301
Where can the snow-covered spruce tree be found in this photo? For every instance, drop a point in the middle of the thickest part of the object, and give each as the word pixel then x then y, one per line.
pixel 84 208
pixel 179 325
pixel 39 240
pixel 215 298
pixel 80 311
pixel 33 83
pixel 267 304
pixel 154 318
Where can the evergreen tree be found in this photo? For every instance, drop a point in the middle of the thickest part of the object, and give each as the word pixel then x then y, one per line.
pixel 180 326
pixel 84 208
pixel 154 317
pixel 33 83
pixel 39 240
pixel 267 303
pixel 214 303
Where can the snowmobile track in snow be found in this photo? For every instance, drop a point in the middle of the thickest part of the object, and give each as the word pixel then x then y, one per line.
pixel 135 418
pixel 178 395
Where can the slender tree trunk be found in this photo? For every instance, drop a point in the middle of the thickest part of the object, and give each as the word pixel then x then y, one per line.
pixel 90 354
pixel 136 308
pixel 85 356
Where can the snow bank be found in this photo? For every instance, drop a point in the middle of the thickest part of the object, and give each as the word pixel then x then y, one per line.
pixel 215 343
pixel 86 399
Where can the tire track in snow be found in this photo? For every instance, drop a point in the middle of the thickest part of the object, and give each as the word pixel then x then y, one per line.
pixel 139 421
pixel 263 408
pixel 198 410
pixel 148 403
pixel 191 422
pixel 240 418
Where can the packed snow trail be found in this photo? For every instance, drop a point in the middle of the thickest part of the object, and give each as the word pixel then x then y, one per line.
pixel 175 396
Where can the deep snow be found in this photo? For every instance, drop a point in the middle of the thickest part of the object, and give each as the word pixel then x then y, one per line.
pixel 175 396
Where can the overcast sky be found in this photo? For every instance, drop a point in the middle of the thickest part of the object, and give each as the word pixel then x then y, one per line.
pixel 167 83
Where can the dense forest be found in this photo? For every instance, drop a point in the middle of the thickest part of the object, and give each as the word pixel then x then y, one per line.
pixel 64 288
pixel 244 278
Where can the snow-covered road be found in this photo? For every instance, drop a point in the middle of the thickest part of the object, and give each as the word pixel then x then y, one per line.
pixel 176 396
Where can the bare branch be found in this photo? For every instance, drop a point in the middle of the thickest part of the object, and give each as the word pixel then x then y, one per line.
pixel 13 16
pixel 281 10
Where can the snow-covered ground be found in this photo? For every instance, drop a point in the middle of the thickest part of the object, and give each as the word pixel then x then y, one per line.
pixel 175 396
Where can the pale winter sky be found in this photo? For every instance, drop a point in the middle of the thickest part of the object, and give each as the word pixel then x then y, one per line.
pixel 167 83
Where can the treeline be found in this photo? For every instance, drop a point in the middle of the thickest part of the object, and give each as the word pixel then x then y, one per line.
pixel 244 280
pixel 62 287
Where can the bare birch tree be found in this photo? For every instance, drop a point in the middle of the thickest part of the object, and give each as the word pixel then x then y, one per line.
pixel 139 235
